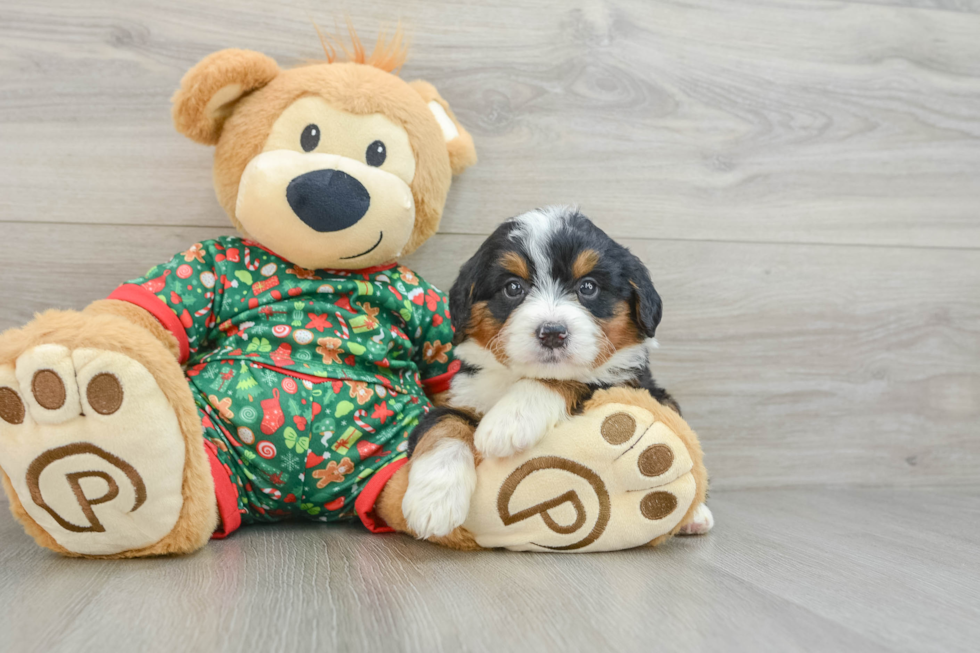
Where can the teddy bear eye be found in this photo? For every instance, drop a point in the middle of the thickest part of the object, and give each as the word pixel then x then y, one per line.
pixel 310 138
pixel 376 154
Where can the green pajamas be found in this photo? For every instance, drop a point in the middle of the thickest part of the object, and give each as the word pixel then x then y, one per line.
pixel 338 433
pixel 307 381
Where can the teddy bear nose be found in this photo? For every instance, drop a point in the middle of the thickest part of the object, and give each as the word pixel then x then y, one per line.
pixel 328 200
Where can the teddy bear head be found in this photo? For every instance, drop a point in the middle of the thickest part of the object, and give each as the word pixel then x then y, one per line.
pixel 339 164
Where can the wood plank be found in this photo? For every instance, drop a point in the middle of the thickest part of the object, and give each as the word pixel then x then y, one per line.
pixel 763 120
pixel 865 559
pixel 797 364
pixel 794 570
pixel 966 6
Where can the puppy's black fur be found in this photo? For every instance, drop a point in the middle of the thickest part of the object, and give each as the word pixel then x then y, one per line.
pixel 431 419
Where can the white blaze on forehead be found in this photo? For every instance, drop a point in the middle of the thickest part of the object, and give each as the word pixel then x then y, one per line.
pixel 535 229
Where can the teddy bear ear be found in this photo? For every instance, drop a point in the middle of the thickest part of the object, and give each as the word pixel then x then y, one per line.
pixel 209 91
pixel 459 143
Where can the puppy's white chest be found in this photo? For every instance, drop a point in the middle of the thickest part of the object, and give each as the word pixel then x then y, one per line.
pixel 481 391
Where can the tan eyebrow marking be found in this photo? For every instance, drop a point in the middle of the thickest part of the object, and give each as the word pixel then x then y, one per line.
pixel 585 262
pixel 515 264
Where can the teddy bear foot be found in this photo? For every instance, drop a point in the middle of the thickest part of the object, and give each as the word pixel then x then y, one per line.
pixel 616 477
pixel 92 448
pixel 93 454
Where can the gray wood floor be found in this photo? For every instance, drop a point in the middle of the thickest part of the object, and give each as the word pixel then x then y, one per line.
pixel 786 570
pixel 801 177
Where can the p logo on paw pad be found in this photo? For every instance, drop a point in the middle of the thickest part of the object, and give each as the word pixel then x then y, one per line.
pixel 85 503
pixel 510 486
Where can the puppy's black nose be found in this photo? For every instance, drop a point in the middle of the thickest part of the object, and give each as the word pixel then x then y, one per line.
pixel 328 200
pixel 552 335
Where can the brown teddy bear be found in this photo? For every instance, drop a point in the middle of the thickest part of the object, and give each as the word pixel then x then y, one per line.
pixel 279 374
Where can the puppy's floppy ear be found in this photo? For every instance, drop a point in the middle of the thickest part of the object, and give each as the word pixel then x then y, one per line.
pixel 646 304
pixel 461 297
pixel 209 91
pixel 459 143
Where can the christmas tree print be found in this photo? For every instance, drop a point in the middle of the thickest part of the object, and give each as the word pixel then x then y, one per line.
pixel 245 383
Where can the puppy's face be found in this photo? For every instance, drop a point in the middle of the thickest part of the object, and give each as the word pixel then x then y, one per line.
pixel 551 295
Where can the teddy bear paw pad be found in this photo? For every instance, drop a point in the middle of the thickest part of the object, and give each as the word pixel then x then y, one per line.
pixel 613 478
pixel 92 448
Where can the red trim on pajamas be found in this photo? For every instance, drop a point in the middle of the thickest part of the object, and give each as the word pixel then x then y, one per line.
pixel 364 504
pixel 149 302
pixel 440 383
pixel 371 270
pixel 225 494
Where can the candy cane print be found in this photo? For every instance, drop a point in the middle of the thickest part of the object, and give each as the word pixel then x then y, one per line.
pixel 343 325
pixel 251 266
pixel 273 492
pixel 358 414
pixel 201 312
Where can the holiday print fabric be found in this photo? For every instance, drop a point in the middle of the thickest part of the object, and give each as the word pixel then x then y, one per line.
pixel 294 447
pixel 308 381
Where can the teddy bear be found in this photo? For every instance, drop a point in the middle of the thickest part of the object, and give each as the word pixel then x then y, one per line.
pixel 278 374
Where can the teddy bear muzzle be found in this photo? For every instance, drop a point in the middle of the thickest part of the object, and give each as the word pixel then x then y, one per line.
pixel 328 200
pixel 325 210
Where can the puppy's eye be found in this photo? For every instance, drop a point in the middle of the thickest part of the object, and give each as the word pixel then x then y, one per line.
pixel 310 138
pixel 376 154
pixel 514 288
pixel 588 288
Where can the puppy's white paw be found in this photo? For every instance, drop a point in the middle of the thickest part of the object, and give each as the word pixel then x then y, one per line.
pixel 703 522
pixel 440 483
pixel 502 434
pixel 519 420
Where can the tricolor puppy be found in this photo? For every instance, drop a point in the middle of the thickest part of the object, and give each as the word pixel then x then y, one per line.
pixel 549 310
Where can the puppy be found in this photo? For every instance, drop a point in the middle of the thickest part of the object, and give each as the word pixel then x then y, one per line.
pixel 548 311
